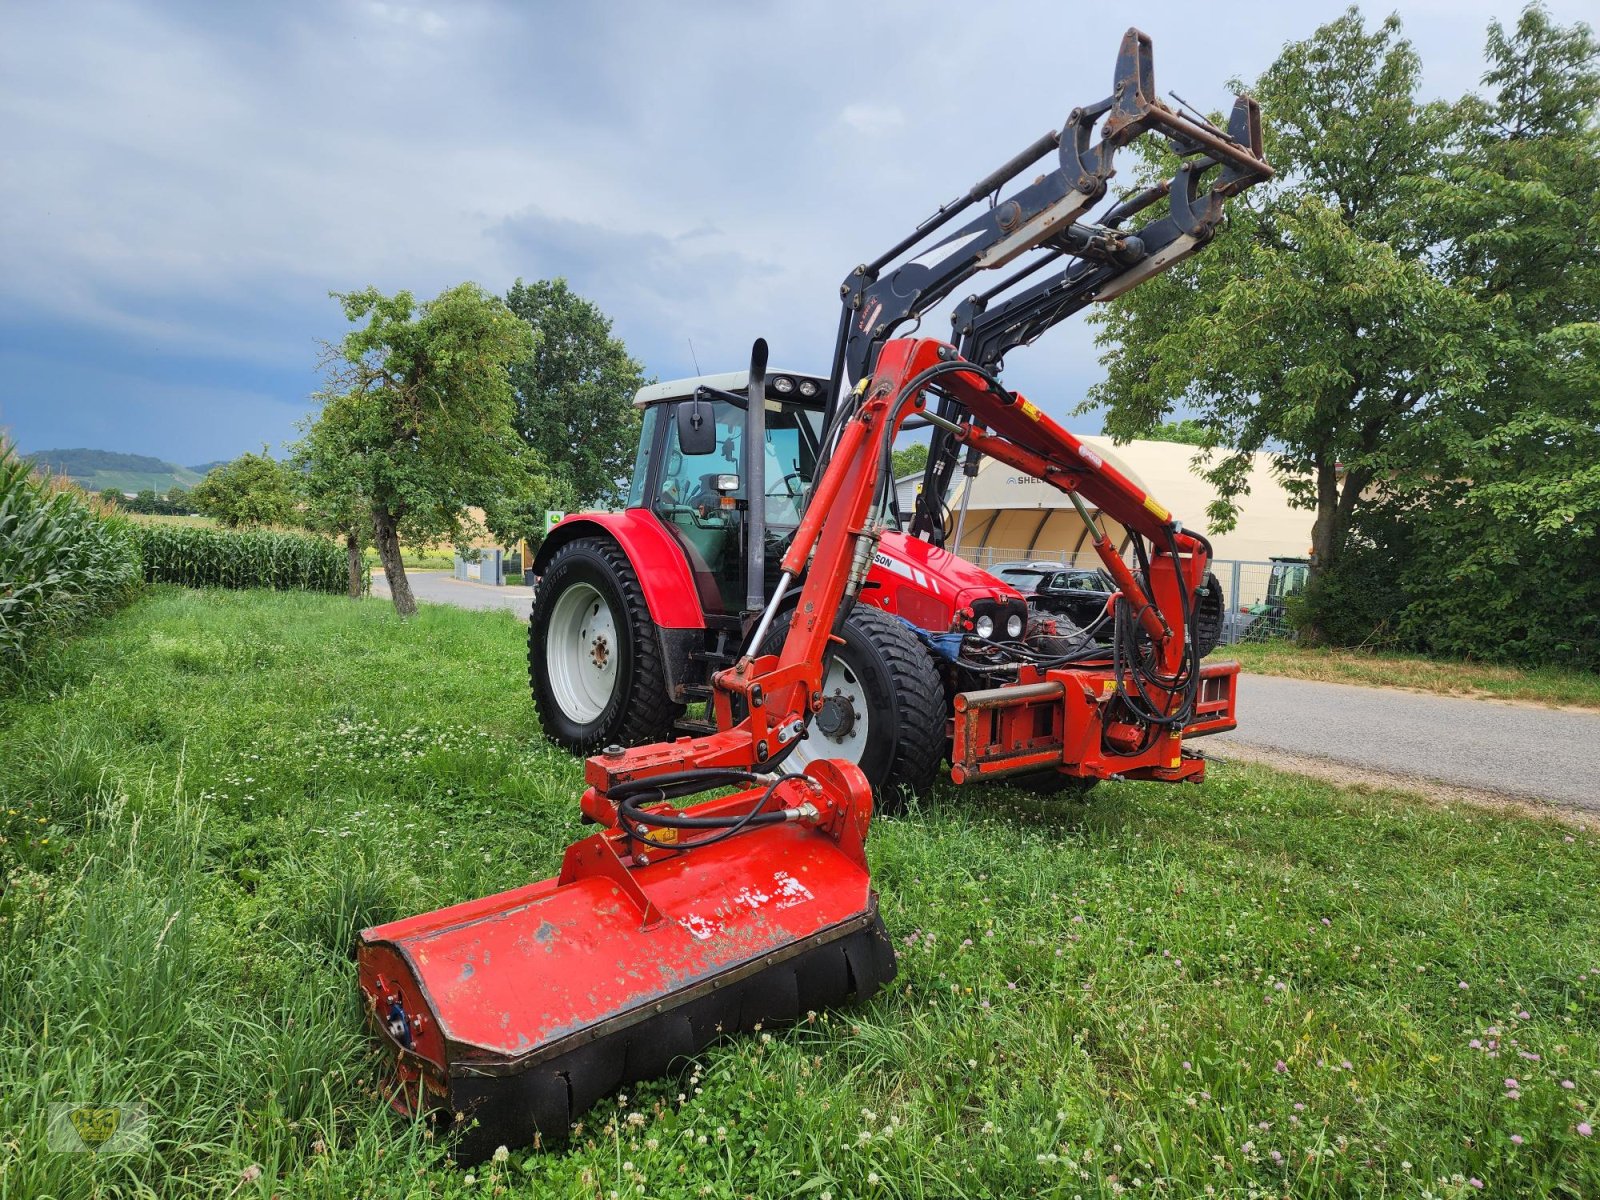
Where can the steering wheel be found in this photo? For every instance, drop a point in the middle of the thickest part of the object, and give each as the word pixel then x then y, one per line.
pixel 793 484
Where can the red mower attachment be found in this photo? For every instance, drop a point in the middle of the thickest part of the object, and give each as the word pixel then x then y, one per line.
pixel 511 1015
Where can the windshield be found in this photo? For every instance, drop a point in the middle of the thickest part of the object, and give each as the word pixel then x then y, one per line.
pixel 1288 580
pixel 690 481
pixel 1025 579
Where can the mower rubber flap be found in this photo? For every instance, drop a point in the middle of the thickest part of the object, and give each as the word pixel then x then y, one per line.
pixel 511 1015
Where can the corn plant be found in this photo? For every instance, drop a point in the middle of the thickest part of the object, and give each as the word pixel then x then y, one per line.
pixel 198 557
pixel 62 557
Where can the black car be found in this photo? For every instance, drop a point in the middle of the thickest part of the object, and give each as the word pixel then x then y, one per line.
pixel 1077 593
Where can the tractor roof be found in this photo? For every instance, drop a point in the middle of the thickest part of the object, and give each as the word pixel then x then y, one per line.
pixel 737 381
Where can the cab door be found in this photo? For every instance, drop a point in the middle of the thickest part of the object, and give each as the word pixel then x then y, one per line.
pixel 688 499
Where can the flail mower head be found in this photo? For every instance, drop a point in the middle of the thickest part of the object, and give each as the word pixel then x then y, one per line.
pixel 509 1016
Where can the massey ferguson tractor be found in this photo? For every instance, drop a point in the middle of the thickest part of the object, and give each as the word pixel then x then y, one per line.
pixel 757 620
pixel 637 611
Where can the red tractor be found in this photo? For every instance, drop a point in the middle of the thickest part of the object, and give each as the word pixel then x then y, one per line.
pixel 669 927
pixel 636 611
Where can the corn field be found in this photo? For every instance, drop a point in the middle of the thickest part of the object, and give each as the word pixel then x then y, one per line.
pixel 62 557
pixel 200 557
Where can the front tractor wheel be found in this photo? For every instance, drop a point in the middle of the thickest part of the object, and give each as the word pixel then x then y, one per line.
pixel 882 707
pixel 594 663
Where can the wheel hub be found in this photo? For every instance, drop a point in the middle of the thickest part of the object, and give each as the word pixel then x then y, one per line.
pixel 582 646
pixel 837 718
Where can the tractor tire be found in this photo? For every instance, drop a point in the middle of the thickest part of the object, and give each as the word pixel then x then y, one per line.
pixel 884 707
pixel 1208 616
pixel 594 657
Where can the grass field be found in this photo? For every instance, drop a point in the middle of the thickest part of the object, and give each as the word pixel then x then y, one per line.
pixel 1544 685
pixel 1264 986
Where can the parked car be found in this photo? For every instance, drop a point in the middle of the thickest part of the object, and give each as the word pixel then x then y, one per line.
pixel 1077 593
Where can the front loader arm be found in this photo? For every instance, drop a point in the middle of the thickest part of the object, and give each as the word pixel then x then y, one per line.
pixel 880 297
pixel 1103 261
pixel 764 703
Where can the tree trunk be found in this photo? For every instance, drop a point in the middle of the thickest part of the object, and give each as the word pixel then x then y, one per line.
pixel 352 551
pixel 383 529
pixel 1325 537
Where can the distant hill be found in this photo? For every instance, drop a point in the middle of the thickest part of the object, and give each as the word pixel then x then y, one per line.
pixel 203 468
pixel 97 470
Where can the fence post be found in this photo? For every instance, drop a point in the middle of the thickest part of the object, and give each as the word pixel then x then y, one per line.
pixel 1232 625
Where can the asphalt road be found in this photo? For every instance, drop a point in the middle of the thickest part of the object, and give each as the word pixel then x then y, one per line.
pixel 1519 751
pixel 440 587
pixel 1514 750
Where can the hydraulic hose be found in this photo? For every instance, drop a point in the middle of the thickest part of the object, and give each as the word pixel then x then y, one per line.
pixel 631 817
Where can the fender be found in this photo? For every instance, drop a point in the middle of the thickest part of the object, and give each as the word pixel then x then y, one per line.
pixel 664 574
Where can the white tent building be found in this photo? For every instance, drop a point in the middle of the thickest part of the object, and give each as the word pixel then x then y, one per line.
pixel 1013 516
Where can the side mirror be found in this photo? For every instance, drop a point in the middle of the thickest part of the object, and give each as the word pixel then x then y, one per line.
pixel 697 427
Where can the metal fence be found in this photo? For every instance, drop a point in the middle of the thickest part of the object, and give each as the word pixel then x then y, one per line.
pixel 1246 616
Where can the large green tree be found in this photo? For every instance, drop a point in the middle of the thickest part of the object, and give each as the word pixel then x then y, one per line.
pixel 573 394
pixel 421 401
pixel 1321 325
pixel 253 489
pixel 1506 528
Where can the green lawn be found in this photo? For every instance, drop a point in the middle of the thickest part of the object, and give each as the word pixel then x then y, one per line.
pixel 1263 986
pixel 1450 677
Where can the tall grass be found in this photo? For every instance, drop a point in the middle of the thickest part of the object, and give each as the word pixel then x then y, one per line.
pixel 196 556
pixel 1262 986
pixel 62 557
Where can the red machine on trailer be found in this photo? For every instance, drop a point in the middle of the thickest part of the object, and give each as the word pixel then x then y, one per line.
pixel 669 927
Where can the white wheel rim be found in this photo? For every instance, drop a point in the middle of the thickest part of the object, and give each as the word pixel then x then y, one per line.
pixel 840 683
pixel 580 653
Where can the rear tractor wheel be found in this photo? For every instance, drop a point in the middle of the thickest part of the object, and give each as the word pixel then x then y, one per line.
pixel 594 662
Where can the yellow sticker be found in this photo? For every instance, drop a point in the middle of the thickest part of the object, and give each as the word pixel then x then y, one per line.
pixel 1029 411
pixel 664 833
pixel 1156 510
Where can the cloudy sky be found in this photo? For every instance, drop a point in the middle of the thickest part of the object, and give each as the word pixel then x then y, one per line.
pixel 182 184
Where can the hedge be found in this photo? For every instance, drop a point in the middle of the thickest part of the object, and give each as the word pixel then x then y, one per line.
pixel 63 556
pixel 195 556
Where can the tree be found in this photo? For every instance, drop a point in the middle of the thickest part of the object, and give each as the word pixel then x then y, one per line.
pixel 112 497
pixel 253 489
pixel 1508 526
pixel 420 400
pixel 910 459
pixel 328 458
pixel 1186 432
pixel 574 403
pixel 1321 324
pixel 178 499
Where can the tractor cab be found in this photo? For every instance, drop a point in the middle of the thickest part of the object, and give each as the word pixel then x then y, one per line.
pixel 692 471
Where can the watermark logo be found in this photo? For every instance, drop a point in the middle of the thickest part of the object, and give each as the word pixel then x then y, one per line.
pixel 98 1128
